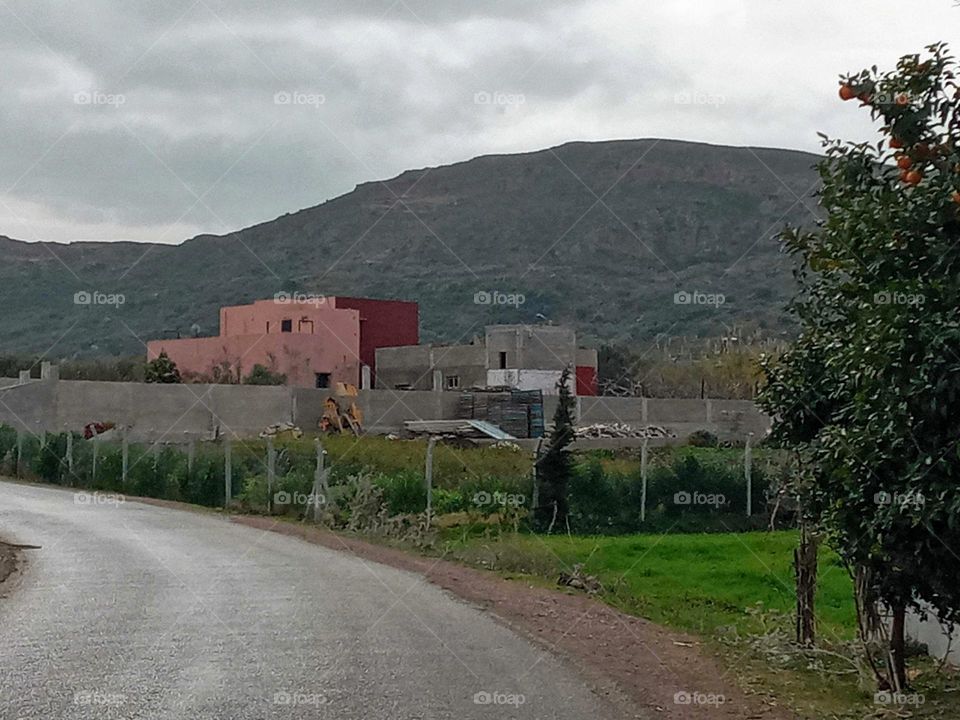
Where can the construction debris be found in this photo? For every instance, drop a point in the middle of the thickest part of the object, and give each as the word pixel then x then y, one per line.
pixel 96 428
pixel 336 420
pixel 284 429
pixel 457 428
pixel 622 430
pixel 580 580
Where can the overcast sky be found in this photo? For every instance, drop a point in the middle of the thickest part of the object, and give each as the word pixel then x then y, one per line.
pixel 156 120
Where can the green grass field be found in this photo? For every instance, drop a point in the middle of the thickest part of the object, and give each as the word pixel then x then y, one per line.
pixel 729 589
pixel 698 583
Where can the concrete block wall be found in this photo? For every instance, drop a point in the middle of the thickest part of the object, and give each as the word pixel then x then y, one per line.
pixel 152 412
pixel 384 411
pixel 176 411
pixel 728 419
pixel 29 406
pixel 931 633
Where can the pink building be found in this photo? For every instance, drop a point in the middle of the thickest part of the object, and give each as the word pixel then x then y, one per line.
pixel 317 342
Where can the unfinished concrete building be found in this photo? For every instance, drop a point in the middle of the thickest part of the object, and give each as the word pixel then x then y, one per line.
pixel 524 357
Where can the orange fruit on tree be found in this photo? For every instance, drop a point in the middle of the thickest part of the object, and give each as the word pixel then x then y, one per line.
pixel 847 92
pixel 904 162
pixel 913 177
pixel 896 143
pixel 955 196
pixel 902 99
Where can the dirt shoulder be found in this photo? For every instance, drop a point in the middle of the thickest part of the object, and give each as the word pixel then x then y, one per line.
pixel 10 562
pixel 628 659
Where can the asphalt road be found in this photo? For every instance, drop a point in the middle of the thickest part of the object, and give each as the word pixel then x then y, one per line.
pixel 136 611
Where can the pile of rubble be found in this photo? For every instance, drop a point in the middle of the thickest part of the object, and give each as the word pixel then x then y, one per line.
pixel 579 580
pixel 282 430
pixel 621 430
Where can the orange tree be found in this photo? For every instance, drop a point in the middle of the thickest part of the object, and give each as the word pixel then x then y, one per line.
pixel 870 394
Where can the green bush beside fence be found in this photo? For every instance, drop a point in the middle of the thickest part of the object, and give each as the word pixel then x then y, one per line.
pixel 688 489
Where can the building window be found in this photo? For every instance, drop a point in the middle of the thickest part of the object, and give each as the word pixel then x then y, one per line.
pixel 503 360
pixel 453 382
pixel 286 326
pixel 305 326
pixel 322 380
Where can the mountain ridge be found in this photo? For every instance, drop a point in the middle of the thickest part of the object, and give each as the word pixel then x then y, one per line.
pixel 579 229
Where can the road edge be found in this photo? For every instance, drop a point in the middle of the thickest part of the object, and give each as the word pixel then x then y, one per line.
pixel 618 662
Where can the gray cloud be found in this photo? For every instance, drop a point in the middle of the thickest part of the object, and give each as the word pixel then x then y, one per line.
pixel 117 116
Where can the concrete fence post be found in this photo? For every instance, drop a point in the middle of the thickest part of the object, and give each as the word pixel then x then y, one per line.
pixel 644 413
pixel 191 455
pixel 321 486
pixel 24 377
pixel 19 452
pixel 429 478
pixel 644 457
pixel 124 459
pixel 271 473
pixel 748 472
pixel 70 454
pixel 535 502
pixel 227 471
pixel 96 456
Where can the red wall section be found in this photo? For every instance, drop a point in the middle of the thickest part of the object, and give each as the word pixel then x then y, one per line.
pixel 383 323
pixel 586 380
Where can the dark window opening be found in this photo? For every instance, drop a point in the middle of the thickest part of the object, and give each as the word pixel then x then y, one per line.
pixel 323 380
pixel 286 326
pixel 503 360
pixel 453 382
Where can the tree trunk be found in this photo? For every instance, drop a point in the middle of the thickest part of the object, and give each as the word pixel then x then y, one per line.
pixel 898 661
pixel 805 573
